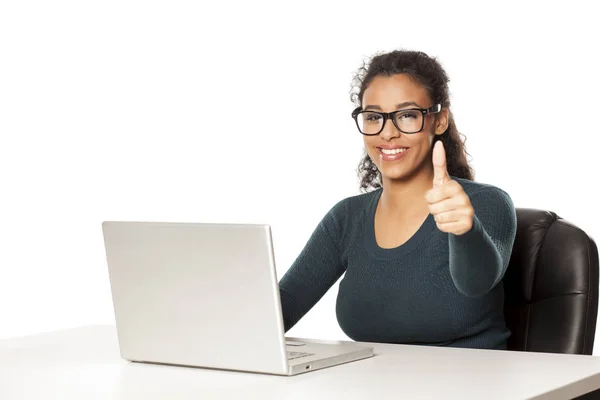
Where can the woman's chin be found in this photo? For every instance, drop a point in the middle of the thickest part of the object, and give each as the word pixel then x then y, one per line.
pixel 395 173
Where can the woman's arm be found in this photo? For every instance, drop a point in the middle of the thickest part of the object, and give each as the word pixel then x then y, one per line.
pixel 479 257
pixel 314 271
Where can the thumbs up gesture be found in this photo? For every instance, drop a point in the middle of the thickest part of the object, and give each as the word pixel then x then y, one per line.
pixel 448 202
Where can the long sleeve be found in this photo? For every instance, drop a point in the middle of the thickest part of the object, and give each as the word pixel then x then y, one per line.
pixel 315 270
pixel 479 258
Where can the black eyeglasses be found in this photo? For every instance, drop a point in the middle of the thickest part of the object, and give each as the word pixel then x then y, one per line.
pixel 408 121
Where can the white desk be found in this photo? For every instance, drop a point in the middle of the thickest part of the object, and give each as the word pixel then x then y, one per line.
pixel 84 363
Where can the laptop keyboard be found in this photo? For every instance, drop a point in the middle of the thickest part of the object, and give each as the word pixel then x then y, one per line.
pixel 297 354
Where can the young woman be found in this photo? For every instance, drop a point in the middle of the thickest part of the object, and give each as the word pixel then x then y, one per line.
pixel 424 250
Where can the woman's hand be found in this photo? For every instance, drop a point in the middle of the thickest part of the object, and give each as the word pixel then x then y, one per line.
pixel 448 202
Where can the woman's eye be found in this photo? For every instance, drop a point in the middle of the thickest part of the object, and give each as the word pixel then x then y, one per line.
pixel 408 115
pixel 372 117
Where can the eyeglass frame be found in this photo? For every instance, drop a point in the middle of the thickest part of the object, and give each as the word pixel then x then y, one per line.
pixel 436 108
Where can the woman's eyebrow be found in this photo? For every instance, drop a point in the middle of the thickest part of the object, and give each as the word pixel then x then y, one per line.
pixel 398 106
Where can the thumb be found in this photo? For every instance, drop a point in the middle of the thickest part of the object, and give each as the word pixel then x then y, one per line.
pixel 440 172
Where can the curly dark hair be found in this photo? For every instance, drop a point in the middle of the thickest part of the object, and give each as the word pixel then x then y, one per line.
pixel 428 72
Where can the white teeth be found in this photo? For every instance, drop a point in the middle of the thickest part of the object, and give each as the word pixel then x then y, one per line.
pixel 393 151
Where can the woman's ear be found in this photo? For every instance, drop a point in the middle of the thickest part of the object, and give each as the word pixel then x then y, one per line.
pixel 441 122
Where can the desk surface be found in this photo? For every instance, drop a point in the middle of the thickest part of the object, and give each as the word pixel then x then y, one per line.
pixel 84 363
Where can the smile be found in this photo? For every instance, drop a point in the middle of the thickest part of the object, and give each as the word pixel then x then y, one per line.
pixel 394 154
pixel 393 151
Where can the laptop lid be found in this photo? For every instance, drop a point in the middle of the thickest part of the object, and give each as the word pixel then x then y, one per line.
pixel 196 294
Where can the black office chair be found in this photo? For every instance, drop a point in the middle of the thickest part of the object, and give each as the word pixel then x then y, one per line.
pixel 551 286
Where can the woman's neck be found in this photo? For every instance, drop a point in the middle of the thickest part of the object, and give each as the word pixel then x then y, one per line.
pixel 407 196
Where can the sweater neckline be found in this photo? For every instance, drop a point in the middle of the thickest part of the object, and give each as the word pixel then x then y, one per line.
pixel 413 242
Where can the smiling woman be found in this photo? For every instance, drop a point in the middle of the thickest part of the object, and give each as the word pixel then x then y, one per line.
pixel 418 77
pixel 424 250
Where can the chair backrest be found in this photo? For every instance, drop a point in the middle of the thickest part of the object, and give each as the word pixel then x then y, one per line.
pixel 551 285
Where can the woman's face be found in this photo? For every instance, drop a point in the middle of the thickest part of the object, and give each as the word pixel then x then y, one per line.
pixel 392 93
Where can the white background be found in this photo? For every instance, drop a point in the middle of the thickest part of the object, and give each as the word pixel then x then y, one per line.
pixel 240 112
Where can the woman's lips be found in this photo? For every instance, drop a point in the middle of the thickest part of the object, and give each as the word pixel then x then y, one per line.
pixel 392 154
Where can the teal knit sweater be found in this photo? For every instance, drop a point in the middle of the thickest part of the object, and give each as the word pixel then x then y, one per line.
pixel 435 289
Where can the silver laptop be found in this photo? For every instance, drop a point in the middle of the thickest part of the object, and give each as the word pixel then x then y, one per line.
pixel 206 295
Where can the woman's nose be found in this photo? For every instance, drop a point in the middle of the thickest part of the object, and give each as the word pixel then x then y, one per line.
pixel 389 130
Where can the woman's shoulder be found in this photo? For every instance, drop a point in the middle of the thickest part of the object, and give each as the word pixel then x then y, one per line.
pixel 345 213
pixel 486 196
pixel 473 187
pixel 350 204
